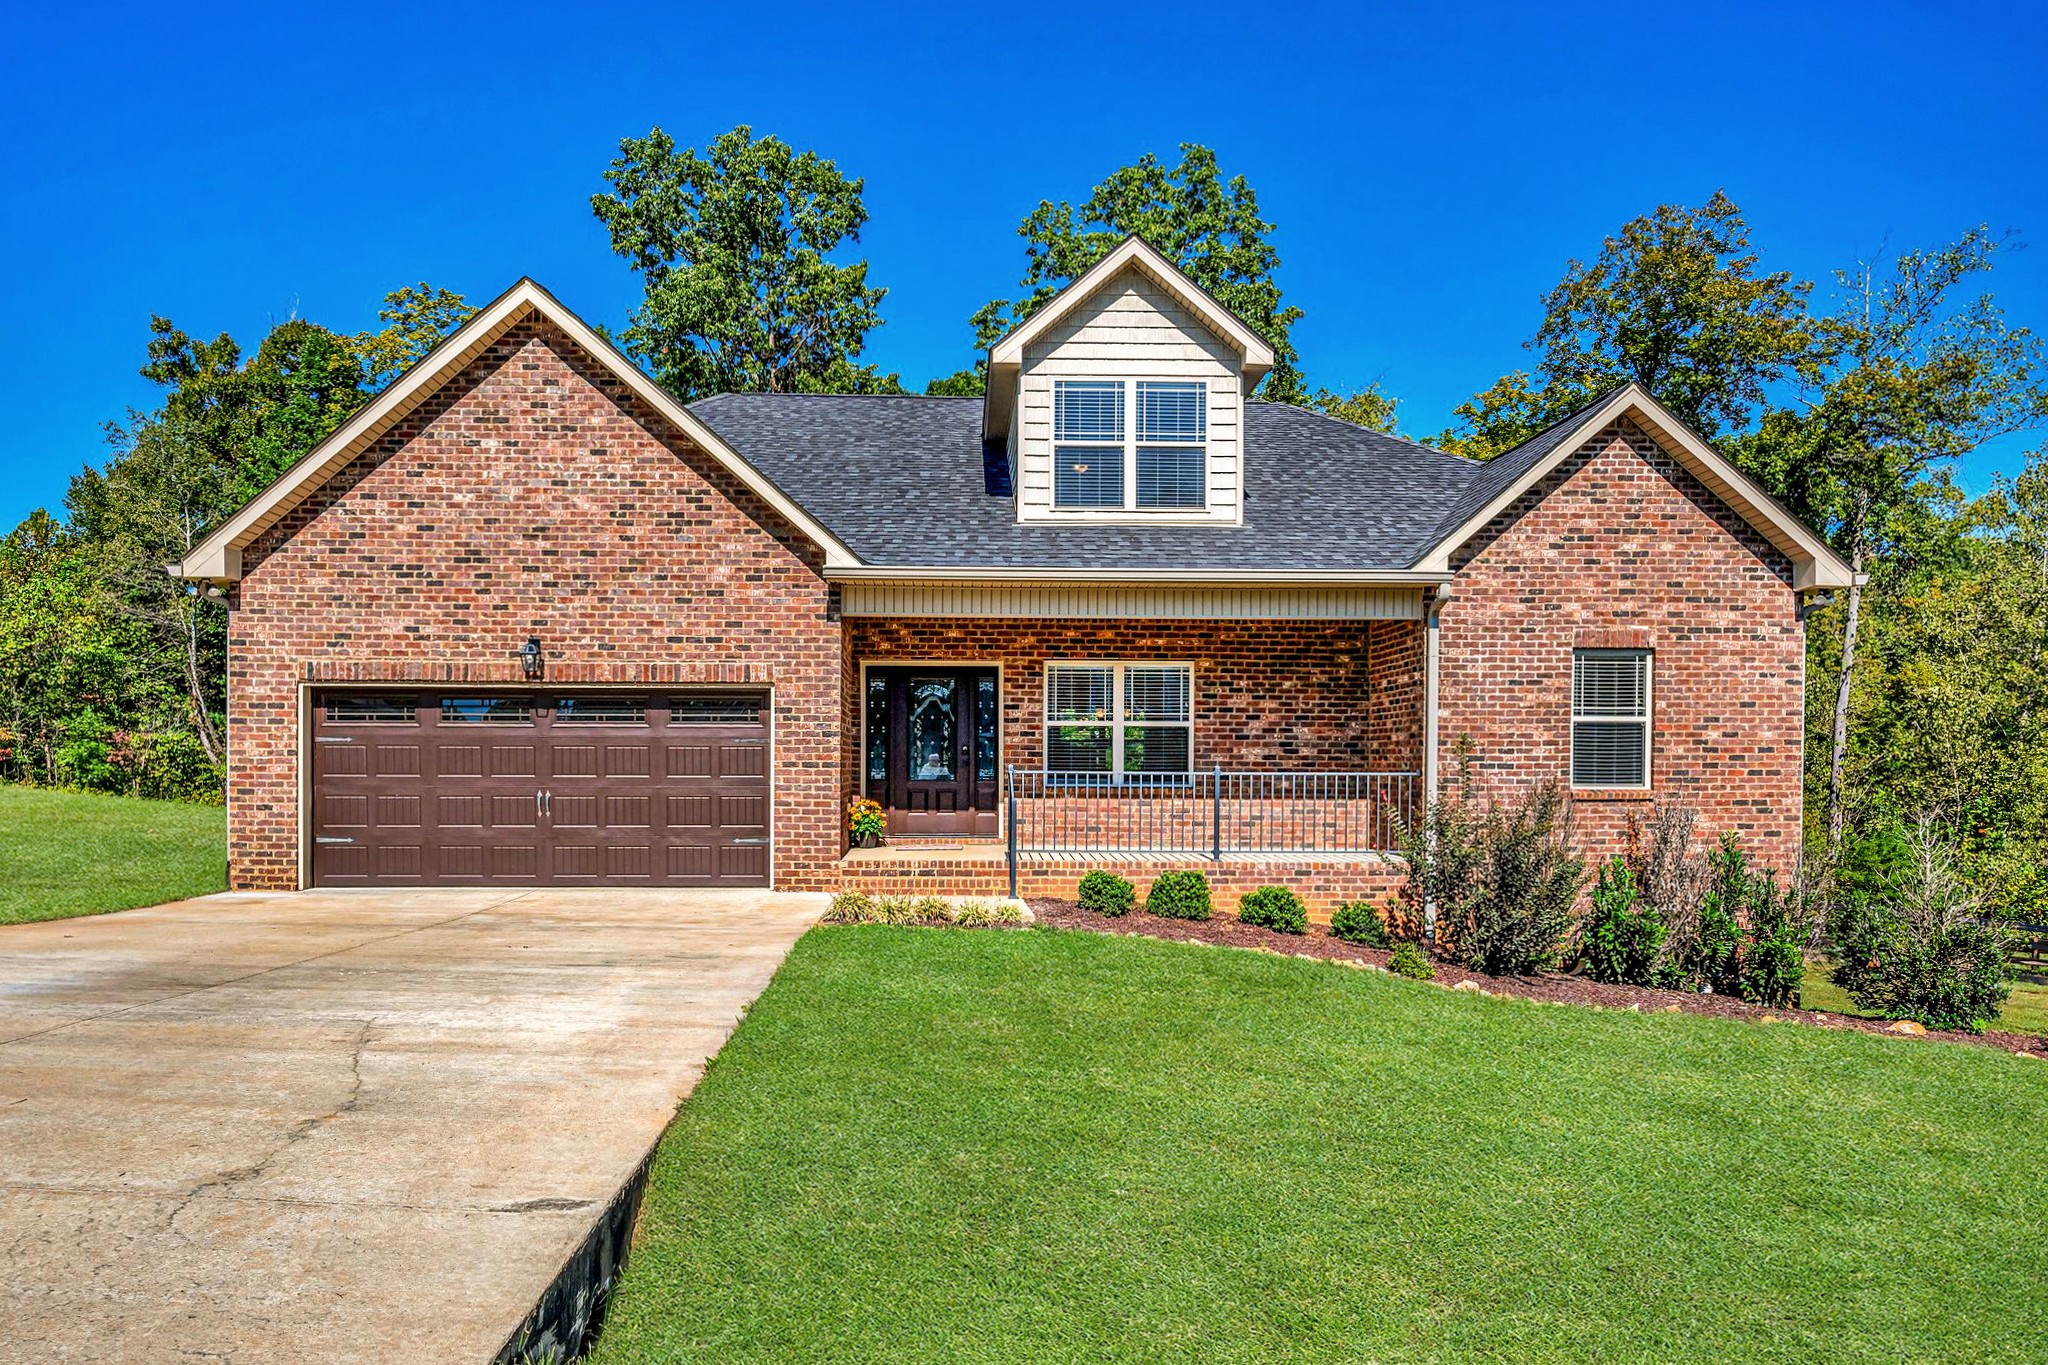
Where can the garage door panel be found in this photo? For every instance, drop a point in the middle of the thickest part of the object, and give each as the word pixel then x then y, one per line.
pixel 527 788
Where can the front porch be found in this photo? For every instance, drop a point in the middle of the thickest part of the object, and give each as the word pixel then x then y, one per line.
pixel 1015 755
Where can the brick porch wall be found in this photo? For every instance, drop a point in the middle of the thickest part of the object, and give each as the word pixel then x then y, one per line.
pixel 1626 549
pixel 1269 695
pixel 534 495
pixel 1322 885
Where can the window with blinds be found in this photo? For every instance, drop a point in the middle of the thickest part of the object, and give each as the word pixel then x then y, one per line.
pixel 1611 718
pixel 1128 723
pixel 1088 443
pixel 1101 460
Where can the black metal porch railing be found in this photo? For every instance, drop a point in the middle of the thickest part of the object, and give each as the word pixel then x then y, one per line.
pixel 1206 814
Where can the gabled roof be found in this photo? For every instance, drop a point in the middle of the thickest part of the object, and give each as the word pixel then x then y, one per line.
pixel 218 558
pixel 1509 475
pixel 1007 354
pixel 904 482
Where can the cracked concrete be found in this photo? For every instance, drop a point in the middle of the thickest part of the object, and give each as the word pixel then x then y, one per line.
pixel 343 1126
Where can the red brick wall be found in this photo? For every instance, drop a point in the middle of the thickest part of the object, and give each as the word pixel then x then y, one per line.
pixel 1279 695
pixel 534 495
pixel 1627 549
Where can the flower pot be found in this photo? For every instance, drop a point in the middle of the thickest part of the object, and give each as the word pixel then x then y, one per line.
pixel 867 841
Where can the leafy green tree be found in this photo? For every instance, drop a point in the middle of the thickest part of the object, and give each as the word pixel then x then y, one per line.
pixel 415 320
pixel 1209 227
pixel 1370 407
pixel 1908 378
pixel 733 247
pixel 1676 301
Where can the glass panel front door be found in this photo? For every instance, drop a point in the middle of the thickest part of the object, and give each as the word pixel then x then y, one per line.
pixel 931 748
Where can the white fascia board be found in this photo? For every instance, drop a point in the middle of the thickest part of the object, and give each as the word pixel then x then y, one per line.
pixel 1815 564
pixel 951 573
pixel 218 558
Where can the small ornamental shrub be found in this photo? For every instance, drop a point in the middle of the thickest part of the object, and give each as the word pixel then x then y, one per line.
pixel 851 907
pixel 931 910
pixel 1107 894
pixel 1179 895
pixel 977 914
pixel 1622 935
pixel 1921 948
pixel 1359 922
pixel 1274 907
pixel 1407 960
pixel 1506 885
pixel 896 910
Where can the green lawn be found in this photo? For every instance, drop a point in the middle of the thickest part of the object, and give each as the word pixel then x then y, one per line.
pixel 2025 1012
pixel 1036 1146
pixel 67 853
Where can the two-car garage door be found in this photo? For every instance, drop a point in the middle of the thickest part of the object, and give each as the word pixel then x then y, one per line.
pixel 478 788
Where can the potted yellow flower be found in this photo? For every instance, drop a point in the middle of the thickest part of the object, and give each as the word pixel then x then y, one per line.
pixel 864 822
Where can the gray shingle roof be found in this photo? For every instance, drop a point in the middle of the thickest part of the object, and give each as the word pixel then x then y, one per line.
pixel 906 481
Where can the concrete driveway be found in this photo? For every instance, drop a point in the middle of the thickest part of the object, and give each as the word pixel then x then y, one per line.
pixel 342 1126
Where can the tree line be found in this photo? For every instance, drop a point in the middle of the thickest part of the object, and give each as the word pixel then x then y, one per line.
pixel 1854 404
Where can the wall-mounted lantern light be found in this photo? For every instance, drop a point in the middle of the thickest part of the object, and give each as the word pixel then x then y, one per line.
pixel 529 656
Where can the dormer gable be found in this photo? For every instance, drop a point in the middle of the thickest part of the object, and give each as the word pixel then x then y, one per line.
pixel 1122 398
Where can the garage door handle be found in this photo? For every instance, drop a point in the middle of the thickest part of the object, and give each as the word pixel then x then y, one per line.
pixel 750 841
pixel 330 839
pixel 548 805
pixel 536 806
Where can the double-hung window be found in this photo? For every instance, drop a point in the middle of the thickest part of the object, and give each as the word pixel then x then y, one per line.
pixel 1611 718
pixel 1103 459
pixel 1125 722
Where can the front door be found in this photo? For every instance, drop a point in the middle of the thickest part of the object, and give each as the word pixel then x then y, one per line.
pixel 931 748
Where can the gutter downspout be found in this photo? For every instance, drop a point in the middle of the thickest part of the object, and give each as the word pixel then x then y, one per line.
pixel 1433 601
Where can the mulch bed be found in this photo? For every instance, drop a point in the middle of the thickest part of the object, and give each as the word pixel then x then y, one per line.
pixel 1554 987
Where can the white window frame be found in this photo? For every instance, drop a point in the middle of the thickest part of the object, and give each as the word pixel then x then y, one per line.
pixel 1116 723
pixel 1645 722
pixel 1131 443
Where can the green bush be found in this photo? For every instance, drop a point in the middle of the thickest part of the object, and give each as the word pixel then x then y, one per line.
pixel 1407 960
pixel 1359 922
pixel 851 907
pixel 1179 895
pixel 1274 907
pixel 1622 935
pixel 979 914
pixel 1506 884
pixel 1749 937
pixel 1920 947
pixel 1107 894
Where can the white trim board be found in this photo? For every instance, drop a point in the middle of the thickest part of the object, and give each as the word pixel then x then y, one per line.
pixel 218 558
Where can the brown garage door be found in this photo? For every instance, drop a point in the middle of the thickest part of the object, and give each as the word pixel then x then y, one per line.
pixel 478 788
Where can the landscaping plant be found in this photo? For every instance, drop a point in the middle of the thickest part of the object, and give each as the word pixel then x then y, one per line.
pixel 1359 922
pixel 864 820
pixel 1921 948
pixel 980 914
pixel 1274 907
pixel 1107 894
pixel 1409 961
pixel 1179 895
pixel 1623 934
pixel 1506 885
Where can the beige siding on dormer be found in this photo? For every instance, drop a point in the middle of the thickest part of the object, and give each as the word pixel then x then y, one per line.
pixel 1131 328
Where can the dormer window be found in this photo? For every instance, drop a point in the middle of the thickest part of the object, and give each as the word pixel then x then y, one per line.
pixel 1103 460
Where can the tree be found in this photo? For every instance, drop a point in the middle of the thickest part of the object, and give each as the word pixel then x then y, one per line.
pixel 733 249
pixel 1678 302
pixel 1370 407
pixel 1906 381
pixel 1210 228
pixel 415 319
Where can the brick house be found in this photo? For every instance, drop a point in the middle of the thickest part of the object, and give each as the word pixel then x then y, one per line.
pixel 527 619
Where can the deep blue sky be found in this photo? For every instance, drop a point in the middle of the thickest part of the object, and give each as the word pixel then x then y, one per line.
pixel 1430 168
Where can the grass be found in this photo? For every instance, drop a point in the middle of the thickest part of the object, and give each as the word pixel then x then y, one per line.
pixel 70 853
pixel 936 1145
pixel 2025 1011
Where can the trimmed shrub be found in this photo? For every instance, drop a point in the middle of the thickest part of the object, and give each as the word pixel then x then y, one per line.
pixel 1921 948
pixel 1622 935
pixel 851 907
pixel 1359 922
pixel 978 914
pixel 1179 895
pixel 1107 894
pixel 931 909
pixel 1506 885
pixel 1407 960
pixel 1276 908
